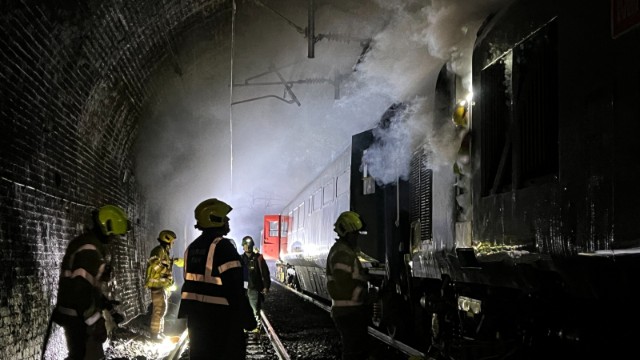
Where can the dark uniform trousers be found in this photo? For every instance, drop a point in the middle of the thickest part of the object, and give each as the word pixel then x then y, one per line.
pixel 215 333
pixel 351 322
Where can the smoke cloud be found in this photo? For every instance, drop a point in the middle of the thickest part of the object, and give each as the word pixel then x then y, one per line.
pixel 260 152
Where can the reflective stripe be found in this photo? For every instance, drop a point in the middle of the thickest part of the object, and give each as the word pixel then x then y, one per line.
pixel 186 256
pixel 246 284
pixel 212 251
pixel 82 273
pixel 356 293
pixel 229 265
pixel 93 318
pixel 100 272
pixel 205 298
pixel 66 311
pixel 71 312
pixel 199 277
pixel 356 271
pixel 208 277
pixel 339 303
pixel 81 248
pixel 343 267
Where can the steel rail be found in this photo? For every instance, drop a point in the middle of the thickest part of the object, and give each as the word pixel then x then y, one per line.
pixel 404 348
pixel 281 352
pixel 177 351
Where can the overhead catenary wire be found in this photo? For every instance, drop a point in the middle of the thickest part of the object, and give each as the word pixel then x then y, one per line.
pixel 233 21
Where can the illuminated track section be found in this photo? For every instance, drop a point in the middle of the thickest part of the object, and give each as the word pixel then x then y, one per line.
pixel 254 346
pixel 405 349
pixel 281 352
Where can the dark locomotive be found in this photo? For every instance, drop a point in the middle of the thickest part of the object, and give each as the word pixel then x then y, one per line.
pixel 527 245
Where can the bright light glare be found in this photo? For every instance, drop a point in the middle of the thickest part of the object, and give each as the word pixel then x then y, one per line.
pixel 469 97
pixel 165 346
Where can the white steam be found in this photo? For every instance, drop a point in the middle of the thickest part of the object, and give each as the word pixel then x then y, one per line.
pixel 184 147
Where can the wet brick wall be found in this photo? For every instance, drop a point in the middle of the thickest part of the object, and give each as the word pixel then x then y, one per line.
pixel 73 77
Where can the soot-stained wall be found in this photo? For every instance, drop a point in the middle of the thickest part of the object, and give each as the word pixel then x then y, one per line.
pixel 73 82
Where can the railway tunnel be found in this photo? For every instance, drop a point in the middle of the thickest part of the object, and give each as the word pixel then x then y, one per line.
pixel 129 103
pixel 154 106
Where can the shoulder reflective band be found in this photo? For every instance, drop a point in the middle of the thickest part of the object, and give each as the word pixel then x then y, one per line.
pixel 81 248
pixel 207 277
pixel 95 281
pixel 205 298
pixel 83 274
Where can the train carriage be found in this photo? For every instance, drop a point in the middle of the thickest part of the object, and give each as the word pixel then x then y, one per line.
pixel 526 245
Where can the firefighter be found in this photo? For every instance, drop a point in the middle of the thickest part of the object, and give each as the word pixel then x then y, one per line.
pixel 85 268
pixel 257 279
pixel 347 286
pixel 212 294
pixel 160 281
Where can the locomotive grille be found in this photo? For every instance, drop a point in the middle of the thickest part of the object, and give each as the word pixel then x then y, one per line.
pixel 420 180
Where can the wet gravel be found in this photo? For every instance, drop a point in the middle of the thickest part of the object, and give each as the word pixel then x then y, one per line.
pixel 305 330
pixel 131 341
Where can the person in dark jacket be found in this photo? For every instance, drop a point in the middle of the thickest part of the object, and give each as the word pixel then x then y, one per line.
pixel 347 286
pixel 213 295
pixel 257 279
pixel 85 268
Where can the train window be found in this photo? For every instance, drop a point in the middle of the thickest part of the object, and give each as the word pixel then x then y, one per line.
pixel 301 216
pixel 342 183
pixel 328 193
pixel 273 228
pixel 317 201
pixel 284 227
pixel 519 115
pixel 293 220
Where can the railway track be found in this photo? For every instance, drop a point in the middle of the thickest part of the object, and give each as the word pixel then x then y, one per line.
pixel 374 333
pixel 257 345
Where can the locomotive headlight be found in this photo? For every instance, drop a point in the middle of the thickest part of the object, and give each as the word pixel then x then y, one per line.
pixel 469 305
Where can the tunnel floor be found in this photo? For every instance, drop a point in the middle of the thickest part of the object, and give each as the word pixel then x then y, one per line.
pixel 131 341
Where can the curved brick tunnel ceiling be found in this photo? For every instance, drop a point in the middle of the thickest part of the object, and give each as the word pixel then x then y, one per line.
pixel 74 79
pixel 82 81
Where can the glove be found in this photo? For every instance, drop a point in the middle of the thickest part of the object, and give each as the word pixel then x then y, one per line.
pixel 179 262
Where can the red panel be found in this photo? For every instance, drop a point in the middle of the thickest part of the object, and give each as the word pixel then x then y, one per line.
pixel 270 242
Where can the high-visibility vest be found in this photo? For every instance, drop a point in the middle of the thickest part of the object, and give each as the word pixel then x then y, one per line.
pixel 81 276
pixel 207 259
pixel 346 280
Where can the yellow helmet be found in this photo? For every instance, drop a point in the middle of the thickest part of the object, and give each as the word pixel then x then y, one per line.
pixel 167 237
pixel 212 213
pixel 112 220
pixel 460 112
pixel 348 221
